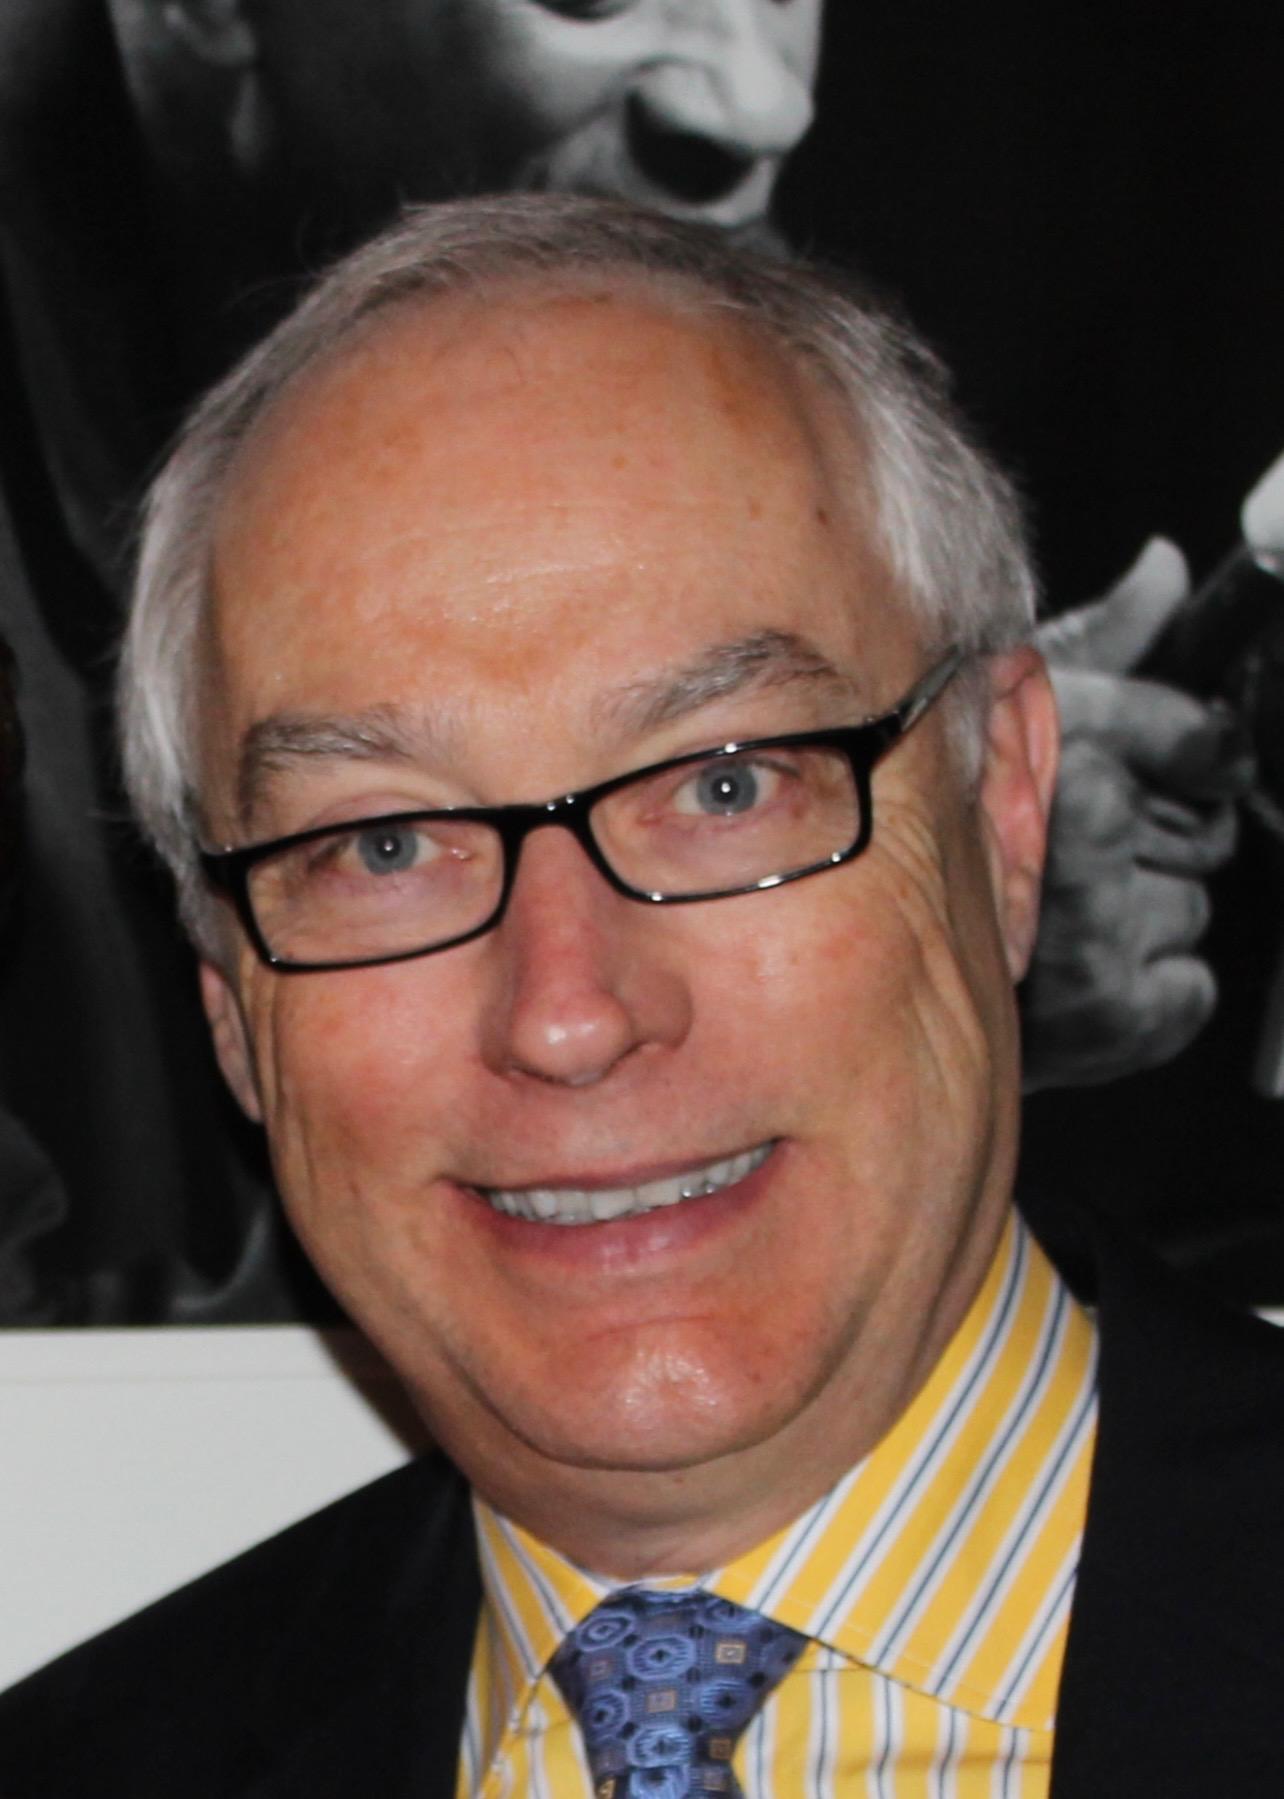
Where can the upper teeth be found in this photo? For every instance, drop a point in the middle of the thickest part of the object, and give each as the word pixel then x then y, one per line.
pixel 577 1205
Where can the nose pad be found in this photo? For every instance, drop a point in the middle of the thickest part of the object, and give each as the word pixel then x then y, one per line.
pixel 575 991
pixel 726 81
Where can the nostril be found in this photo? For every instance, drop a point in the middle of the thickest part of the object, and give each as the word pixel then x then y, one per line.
pixel 688 165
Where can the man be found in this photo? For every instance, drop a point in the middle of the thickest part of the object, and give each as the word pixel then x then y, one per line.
pixel 578 677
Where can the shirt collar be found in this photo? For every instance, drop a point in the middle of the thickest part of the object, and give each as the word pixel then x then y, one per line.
pixel 945 1559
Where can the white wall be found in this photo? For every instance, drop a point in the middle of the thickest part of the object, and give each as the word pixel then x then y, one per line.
pixel 132 1460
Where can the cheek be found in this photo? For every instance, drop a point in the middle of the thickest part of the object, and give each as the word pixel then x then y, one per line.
pixel 358 1072
pixel 883 989
pixel 809 1005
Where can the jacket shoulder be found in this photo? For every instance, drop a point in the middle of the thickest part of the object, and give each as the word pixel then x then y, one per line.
pixel 197 1693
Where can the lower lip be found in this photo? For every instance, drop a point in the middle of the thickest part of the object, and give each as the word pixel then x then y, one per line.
pixel 623 1242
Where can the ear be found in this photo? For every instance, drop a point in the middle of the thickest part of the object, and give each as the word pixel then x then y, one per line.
pixel 1017 782
pixel 231 1039
pixel 216 32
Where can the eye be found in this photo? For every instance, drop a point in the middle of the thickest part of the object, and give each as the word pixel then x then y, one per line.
pixel 389 849
pixel 724 789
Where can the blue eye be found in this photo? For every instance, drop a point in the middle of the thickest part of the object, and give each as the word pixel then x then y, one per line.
pixel 727 788
pixel 388 849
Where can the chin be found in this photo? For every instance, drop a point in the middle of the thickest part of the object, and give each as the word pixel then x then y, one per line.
pixel 674 1410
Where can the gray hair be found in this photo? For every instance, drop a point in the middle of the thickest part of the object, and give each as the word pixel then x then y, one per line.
pixel 945 519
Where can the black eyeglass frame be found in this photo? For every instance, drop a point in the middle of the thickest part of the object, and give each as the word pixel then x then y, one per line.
pixel 864 745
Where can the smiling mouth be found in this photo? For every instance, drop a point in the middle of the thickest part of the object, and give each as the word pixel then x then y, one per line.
pixel 601 1205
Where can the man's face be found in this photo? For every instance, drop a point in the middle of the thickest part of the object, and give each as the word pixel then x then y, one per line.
pixel 686 104
pixel 510 535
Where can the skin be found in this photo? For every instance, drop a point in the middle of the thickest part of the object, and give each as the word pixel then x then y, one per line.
pixel 497 520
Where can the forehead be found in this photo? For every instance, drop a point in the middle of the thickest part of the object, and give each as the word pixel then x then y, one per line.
pixel 563 485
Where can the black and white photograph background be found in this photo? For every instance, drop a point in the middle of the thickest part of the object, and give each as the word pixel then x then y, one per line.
pixel 1078 207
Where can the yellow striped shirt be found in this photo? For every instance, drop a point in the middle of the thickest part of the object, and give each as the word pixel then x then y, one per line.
pixel 934 1581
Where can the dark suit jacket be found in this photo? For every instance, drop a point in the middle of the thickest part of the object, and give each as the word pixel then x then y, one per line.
pixel 330 1663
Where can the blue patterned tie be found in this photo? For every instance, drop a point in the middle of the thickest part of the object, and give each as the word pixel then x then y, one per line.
pixel 662 1685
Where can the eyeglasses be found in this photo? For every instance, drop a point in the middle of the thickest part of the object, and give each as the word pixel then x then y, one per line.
pixel 737 819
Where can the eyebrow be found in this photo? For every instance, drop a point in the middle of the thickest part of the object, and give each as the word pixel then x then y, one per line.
pixel 389 733
pixel 378 734
pixel 761 660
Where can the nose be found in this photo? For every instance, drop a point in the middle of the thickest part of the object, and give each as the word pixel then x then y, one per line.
pixel 579 984
pixel 726 78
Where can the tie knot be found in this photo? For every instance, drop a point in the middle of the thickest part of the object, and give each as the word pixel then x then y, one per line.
pixel 662 1685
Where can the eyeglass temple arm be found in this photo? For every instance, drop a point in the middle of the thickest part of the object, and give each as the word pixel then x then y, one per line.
pixel 924 691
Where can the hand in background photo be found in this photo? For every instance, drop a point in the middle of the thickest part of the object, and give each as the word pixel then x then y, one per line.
pixel 1144 815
